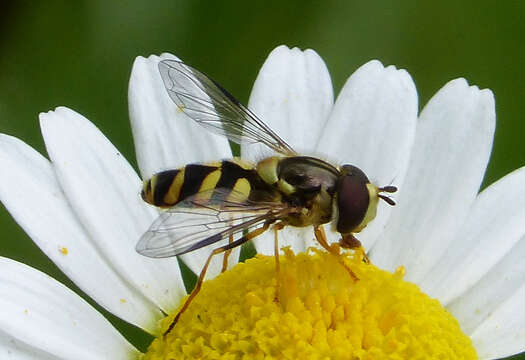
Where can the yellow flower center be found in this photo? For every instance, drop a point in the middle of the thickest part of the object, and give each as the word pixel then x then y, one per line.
pixel 321 313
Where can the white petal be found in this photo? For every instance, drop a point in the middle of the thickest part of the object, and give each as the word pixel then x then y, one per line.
pixel 30 192
pixel 293 95
pixel 298 239
pixel 39 311
pixel 501 283
pixel 503 333
pixel 490 236
pixel 12 349
pixel 164 137
pixel 449 157
pixel 103 190
pixel 372 127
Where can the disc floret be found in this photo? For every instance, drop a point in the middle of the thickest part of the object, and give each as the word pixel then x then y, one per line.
pixel 321 312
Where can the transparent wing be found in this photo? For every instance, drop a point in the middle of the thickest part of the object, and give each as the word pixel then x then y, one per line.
pixel 195 223
pixel 210 105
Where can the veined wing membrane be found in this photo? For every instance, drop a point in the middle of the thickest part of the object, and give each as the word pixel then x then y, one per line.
pixel 195 223
pixel 210 105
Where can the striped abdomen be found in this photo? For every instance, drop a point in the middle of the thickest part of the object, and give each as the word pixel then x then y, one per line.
pixel 167 188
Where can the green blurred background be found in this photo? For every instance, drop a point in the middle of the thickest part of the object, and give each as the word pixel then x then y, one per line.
pixel 79 54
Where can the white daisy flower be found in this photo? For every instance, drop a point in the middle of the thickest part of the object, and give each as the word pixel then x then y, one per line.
pixel 82 207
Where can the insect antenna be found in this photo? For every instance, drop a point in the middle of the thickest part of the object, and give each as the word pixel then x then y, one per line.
pixel 388 200
pixel 387 189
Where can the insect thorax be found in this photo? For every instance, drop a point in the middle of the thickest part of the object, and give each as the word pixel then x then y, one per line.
pixel 304 182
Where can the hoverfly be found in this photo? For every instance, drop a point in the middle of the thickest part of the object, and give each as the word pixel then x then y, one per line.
pixel 235 200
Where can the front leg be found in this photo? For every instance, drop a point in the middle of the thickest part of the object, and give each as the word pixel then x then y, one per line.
pixel 349 241
pixel 321 239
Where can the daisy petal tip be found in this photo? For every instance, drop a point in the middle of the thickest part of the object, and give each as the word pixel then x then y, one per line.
pixel 284 53
pixel 62 111
pixel 458 87
pixel 296 55
pixel 375 71
pixel 399 81
pixel 404 81
pixel 139 61
pixel 459 82
pixel 279 57
pixel 60 116
pixel 483 99
pixel 488 98
pixel 311 53
pixel 473 88
pixel 283 57
pixel 65 111
pixel 315 60
pixel 154 58
pixel 47 116
pixel 144 67
pixel 166 55
pixel 401 73
pixel 142 63
pixel 394 71
pixel 392 68
pixel 372 65
pixel 279 50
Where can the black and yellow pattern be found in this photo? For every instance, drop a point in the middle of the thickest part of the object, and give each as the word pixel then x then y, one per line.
pixel 165 189
pixel 298 181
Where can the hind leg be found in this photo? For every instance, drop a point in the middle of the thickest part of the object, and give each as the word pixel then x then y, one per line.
pixel 200 280
pixel 276 228
pixel 226 255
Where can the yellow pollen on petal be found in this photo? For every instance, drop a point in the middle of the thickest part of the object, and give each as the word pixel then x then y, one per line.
pixel 321 313
pixel 63 250
pixel 400 270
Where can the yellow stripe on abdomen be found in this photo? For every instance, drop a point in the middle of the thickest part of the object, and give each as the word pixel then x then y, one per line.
pixel 241 190
pixel 208 184
pixel 172 196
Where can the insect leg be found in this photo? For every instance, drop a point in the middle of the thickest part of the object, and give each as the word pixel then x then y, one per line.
pixel 321 239
pixel 349 241
pixel 276 228
pixel 216 251
pixel 226 255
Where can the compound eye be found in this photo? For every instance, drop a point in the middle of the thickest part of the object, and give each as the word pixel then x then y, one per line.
pixel 352 201
pixel 354 171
